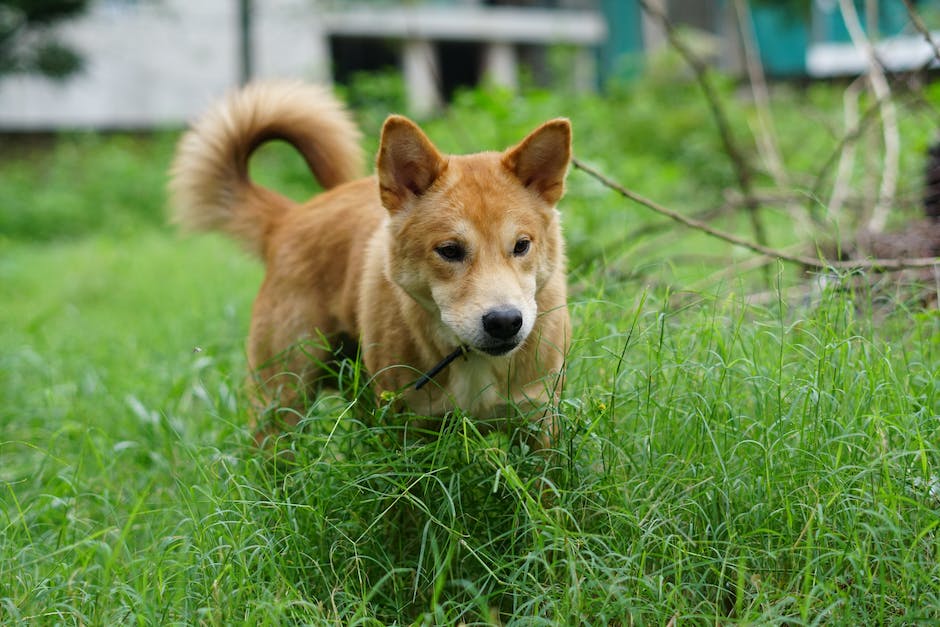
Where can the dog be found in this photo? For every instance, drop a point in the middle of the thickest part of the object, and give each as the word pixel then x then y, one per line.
pixel 435 257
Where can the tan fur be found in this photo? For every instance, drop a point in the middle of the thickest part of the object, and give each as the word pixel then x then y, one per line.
pixel 367 260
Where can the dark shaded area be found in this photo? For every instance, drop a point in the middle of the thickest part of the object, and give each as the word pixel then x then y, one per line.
pixel 932 182
pixel 353 55
pixel 27 43
pixel 460 66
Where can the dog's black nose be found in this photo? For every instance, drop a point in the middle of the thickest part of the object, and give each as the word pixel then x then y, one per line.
pixel 502 323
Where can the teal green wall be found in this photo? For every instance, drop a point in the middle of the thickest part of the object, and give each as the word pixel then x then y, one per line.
pixel 892 18
pixel 782 38
pixel 785 36
pixel 622 53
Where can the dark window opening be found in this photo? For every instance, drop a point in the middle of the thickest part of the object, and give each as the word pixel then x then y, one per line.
pixel 460 65
pixel 358 54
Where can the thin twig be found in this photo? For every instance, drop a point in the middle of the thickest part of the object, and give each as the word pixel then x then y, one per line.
pixel 739 164
pixel 840 186
pixel 766 134
pixel 850 136
pixel 869 114
pixel 812 262
pixel 836 154
pixel 889 122
pixel 922 29
pixel 732 204
pixel 730 271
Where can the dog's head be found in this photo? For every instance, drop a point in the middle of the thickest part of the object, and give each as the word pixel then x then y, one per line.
pixel 475 237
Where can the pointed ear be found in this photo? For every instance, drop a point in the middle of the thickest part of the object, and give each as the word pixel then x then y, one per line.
pixel 540 161
pixel 408 163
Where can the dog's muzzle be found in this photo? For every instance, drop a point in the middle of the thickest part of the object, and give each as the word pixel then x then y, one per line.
pixel 502 327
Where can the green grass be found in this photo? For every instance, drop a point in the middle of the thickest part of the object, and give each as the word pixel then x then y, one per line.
pixel 717 463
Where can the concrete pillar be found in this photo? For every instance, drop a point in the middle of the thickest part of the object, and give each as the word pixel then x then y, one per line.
pixel 500 65
pixel 421 73
pixel 585 70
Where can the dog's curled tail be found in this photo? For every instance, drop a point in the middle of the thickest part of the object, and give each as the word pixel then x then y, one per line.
pixel 209 184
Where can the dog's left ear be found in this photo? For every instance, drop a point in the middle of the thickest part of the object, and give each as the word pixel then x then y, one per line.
pixel 540 161
pixel 408 163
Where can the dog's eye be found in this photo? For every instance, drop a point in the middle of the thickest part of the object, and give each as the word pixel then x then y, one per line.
pixel 451 252
pixel 521 247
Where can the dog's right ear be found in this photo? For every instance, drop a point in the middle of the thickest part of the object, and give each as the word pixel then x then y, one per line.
pixel 408 163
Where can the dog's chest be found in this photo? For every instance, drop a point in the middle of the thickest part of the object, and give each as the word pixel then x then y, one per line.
pixel 475 385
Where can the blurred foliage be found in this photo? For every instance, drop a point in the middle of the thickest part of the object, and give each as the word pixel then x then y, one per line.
pixel 83 183
pixel 28 43
pixel 655 135
pixel 374 95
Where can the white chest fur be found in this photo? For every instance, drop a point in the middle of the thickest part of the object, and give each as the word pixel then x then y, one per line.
pixel 476 384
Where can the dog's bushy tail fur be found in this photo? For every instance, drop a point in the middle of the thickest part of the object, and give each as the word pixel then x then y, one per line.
pixel 209 186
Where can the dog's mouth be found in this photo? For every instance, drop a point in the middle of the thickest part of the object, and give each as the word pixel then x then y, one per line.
pixel 495 350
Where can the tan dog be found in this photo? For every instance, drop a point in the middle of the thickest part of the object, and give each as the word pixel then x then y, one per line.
pixel 433 254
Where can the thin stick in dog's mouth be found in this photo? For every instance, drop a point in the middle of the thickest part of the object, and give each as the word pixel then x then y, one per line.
pixel 430 374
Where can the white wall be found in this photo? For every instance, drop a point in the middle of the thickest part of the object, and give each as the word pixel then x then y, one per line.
pixel 152 63
pixel 161 63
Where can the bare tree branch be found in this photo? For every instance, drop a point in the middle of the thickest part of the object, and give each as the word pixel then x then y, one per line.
pixel 738 162
pixel 922 29
pixel 840 186
pixel 850 136
pixel 812 262
pixel 766 135
pixel 882 91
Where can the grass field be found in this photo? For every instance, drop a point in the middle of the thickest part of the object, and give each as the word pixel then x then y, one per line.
pixel 717 463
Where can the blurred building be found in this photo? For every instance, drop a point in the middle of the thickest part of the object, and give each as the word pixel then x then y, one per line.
pixel 160 62
pixel 803 39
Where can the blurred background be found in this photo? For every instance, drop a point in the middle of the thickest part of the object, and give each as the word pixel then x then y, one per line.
pixel 807 124
pixel 145 63
pixel 744 440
